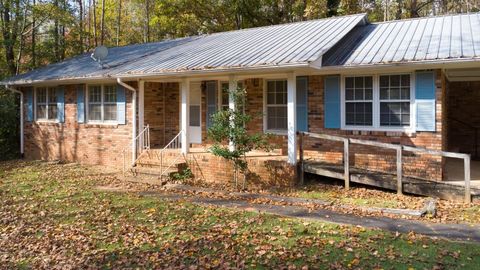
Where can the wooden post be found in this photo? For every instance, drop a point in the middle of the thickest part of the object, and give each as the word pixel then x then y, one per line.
pixel 300 165
pixel 346 163
pixel 399 170
pixel 468 198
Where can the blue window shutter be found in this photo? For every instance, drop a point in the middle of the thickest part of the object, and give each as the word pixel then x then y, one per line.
pixel 302 103
pixel 121 105
pixel 332 102
pixel 425 100
pixel 29 105
pixel 81 103
pixel 211 101
pixel 60 94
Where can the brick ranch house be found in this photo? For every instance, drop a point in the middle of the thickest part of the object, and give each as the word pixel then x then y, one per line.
pixel 412 82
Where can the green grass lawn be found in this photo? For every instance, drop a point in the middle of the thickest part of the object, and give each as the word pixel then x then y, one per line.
pixel 51 216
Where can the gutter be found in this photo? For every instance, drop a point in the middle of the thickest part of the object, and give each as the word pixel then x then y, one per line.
pixel 22 148
pixel 134 117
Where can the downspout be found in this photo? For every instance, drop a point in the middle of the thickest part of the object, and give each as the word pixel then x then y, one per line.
pixel 21 119
pixel 134 117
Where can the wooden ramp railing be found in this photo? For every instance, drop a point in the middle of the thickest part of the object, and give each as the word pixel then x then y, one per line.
pixel 397 147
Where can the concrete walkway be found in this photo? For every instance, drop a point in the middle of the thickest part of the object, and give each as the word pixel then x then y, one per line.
pixel 457 232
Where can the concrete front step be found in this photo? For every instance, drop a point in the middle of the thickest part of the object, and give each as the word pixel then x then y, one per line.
pixel 155 163
pixel 154 171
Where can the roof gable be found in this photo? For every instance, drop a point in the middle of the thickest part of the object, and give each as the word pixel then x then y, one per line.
pixel 415 40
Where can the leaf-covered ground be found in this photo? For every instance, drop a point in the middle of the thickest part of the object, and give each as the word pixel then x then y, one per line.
pixel 447 211
pixel 51 217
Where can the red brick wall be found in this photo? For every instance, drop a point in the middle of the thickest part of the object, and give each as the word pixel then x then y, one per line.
pixel 162 112
pixel 463 98
pixel 74 142
pixel 371 158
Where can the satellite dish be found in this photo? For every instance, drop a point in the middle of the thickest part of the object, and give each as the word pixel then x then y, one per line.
pixel 100 53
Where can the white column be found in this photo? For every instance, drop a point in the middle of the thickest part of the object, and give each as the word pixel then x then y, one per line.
pixel 141 105
pixel 184 112
pixel 292 118
pixel 232 86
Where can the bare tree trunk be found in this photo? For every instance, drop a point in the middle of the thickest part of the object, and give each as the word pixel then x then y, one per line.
pixel 102 24
pixel 34 55
pixel 56 49
pixel 95 39
pixel 147 22
pixel 119 17
pixel 80 22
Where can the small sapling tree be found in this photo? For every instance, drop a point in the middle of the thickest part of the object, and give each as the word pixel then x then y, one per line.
pixel 231 126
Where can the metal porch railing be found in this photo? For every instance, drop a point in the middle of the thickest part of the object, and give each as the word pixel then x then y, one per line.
pixel 142 144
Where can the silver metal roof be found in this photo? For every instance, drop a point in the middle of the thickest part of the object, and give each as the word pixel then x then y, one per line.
pixel 287 44
pixel 83 66
pixel 447 37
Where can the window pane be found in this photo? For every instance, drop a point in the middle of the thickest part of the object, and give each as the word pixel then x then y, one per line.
pixel 95 94
pixel 368 82
pixel 359 82
pixel 95 112
pixel 52 97
pixel 394 113
pixel 358 94
pixel 271 112
pixel 41 95
pixel 368 94
pixel 394 80
pixel 110 112
pixel 349 94
pixel 394 93
pixel 384 81
pixel 405 93
pixel 349 82
pixel 358 114
pixel 41 111
pixel 405 80
pixel 52 111
pixel 110 93
pixel 194 115
pixel 383 93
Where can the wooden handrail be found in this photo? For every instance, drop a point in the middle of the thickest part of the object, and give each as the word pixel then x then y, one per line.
pixel 399 148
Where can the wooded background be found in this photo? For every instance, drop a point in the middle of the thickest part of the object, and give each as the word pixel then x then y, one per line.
pixel 38 32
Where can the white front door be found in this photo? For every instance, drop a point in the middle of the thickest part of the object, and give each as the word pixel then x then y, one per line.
pixel 195 125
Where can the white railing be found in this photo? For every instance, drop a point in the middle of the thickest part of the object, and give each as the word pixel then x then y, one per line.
pixel 397 147
pixel 174 144
pixel 142 144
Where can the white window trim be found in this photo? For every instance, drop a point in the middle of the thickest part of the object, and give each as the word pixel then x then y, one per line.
pixel 87 107
pixel 35 105
pixel 265 116
pixel 376 105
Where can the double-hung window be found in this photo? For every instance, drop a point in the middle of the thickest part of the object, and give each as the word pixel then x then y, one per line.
pixel 46 103
pixel 102 103
pixel 276 105
pixel 359 101
pixel 395 100
pixel 377 102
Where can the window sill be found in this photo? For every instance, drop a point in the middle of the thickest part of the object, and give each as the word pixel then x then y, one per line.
pixel 277 132
pixel 47 122
pixel 389 132
pixel 101 125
